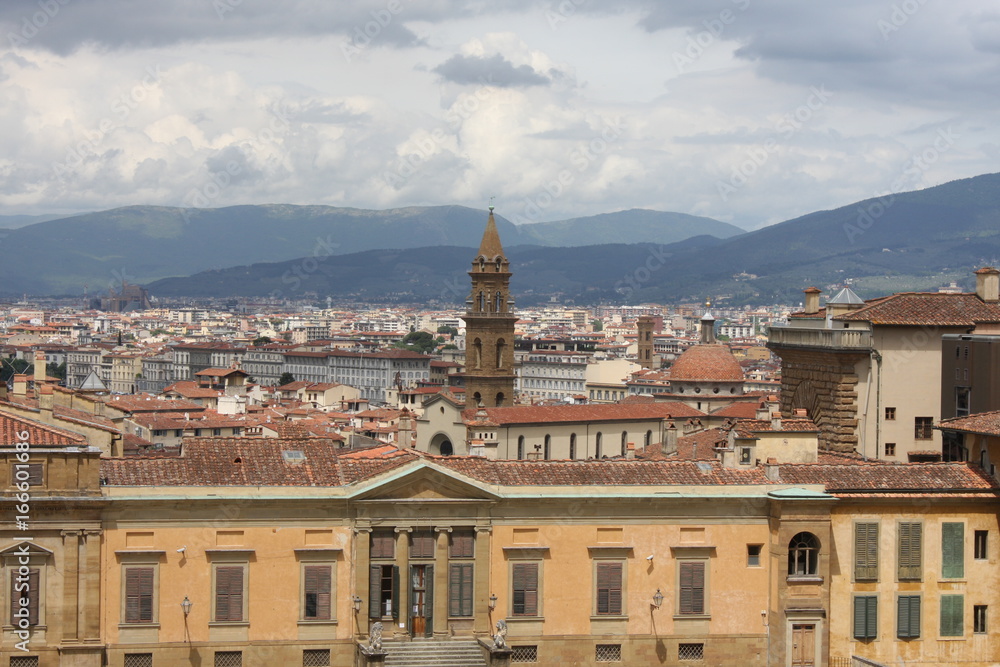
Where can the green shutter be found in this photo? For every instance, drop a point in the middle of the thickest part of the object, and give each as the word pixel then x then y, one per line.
pixel 866 551
pixel 908 616
pixel 865 617
pixel 952 550
pixel 395 592
pixel 374 591
pixel 910 550
pixel 952 611
pixel 871 625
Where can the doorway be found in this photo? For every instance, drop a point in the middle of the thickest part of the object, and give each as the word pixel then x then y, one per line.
pixel 421 600
pixel 803 645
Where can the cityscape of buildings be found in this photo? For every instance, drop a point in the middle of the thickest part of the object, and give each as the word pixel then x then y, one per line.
pixel 266 483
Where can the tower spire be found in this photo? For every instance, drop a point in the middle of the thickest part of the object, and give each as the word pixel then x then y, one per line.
pixel 490 247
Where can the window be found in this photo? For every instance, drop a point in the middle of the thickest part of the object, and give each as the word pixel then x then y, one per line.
pixel 865 551
pixel 463 544
pixel 32 473
pixel 745 455
pixel 691 588
pixel 520 447
pixel 753 555
pixel 608 653
pixel 980 545
pixel 24 596
pixel 383 591
pixel 138 660
pixel 139 588
pixel 890 414
pixel 952 612
pixel 229 593
pixel 690 651
pixel 24 661
pixel 598 441
pixel 890 449
pixel 383 544
pixel 865 616
pixel 525 589
pixel 460 589
pixel 908 616
pixel 572 446
pixel 803 555
pixel 979 619
pixel 228 659
pixel 422 544
pixel 952 550
pixel 317 592
pixel 609 588
pixel 316 657
pixel 910 534
pixel 524 653
pixel 923 428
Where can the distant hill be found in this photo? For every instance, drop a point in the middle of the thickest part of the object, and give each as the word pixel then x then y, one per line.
pixel 908 241
pixel 145 243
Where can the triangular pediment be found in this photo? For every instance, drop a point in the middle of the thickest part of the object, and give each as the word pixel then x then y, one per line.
pixel 24 548
pixel 422 481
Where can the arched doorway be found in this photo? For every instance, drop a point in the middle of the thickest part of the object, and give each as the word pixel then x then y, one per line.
pixel 441 444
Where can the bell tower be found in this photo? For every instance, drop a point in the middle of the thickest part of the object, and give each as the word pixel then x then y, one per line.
pixel 489 326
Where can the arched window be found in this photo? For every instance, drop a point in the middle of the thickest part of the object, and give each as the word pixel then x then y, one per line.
pixel 648 440
pixel 477 398
pixel 597 445
pixel 446 448
pixel 498 303
pixel 499 265
pixel 803 555
pixel 477 353
pixel 482 302
pixel 501 344
pixel 520 447
pixel 572 445
pixel 547 450
pixel 624 441
pixel 500 399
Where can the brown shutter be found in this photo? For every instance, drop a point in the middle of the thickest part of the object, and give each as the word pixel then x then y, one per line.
pixel 692 585
pixel 317 591
pixel 609 588
pixel 374 591
pixel 33 594
pixel 383 545
pixel 525 577
pixel 462 544
pixel 139 594
pixel 229 593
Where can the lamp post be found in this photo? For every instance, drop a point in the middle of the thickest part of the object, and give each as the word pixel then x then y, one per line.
pixel 493 601
pixel 186 606
pixel 657 598
pixel 356 601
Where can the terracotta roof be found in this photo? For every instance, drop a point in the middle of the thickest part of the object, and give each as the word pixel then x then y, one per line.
pixel 39 435
pixel 792 425
pixel 925 308
pixel 739 410
pixel 699 446
pixel 541 414
pixel 878 477
pixel 986 423
pixel 706 363
pixel 149 403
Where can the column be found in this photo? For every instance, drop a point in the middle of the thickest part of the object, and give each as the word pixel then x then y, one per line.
pixel 481 603
pixel 90 587
pixel 441 582
pixel 403 563
pixel 71 586
pixel 362 559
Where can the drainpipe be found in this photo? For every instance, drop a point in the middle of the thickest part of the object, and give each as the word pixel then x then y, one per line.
pixel 877 357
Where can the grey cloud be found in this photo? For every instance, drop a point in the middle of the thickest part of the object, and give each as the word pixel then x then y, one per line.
pixel 494 70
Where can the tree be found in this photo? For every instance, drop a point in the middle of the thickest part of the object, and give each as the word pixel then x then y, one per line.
pixel 12 367
pixel 598 325
pixel 445 329
pixel 418 341
pixel 56 370
pixel 261 340
pixel 286 378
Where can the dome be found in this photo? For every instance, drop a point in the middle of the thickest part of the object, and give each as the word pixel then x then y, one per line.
pixel 706 363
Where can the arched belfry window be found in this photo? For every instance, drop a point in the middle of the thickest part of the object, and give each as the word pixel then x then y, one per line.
pixel 803 555
pixel 498 303
pixel 477 353
pixel 482 302
pixel 501 344
pixel 499 265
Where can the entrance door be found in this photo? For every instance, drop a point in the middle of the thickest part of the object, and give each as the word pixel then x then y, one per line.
pixel 803 645
pixel 421 600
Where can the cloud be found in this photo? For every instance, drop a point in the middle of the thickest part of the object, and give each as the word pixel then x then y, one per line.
pixel 492 70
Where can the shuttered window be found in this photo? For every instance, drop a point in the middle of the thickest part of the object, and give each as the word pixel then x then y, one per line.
pixel 139 594
pixel 910 542
pixel 952 613
pixel 692 587
pixel 229 593
pixel 422 544
pixel 18 593
pixel 463 544
pixel 383 544
pixel 317 587
pixel 908 616
pixel 865 617
pixel 460 589
pixel 866 551
pixel 609 588
pixel 525 589
pixel 952 550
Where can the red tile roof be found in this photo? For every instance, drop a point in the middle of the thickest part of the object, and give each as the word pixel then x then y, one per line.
pixel 706 363
pixel 986 423
pixel 926 309
pixel 39 435
pixel 542 414
pixel 877 477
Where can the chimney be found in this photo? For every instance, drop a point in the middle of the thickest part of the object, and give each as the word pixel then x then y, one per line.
pixel 670 438
pixel 20 384
pixel 776 421
pixel 630 450
pixel 812 300
pixel 771 470
pixel 763 411
pixel 988 284
pixel 40 369
pixel 44 394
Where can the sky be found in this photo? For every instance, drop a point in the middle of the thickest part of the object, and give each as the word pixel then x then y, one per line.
pixel 747 111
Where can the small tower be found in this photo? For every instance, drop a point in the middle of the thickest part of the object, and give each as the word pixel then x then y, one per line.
pixel 644 326
pixel 489 326
pixel 707 326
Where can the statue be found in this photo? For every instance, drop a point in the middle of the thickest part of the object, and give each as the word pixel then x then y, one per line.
pixel 500 638
pixel 375 637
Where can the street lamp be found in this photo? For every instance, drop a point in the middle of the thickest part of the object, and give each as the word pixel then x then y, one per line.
pixel 186 606
pixel 356 601
pixel 493 601
pixel 657 598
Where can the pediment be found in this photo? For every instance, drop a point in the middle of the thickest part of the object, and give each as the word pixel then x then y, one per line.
pixel 425 482
pixel 24 548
